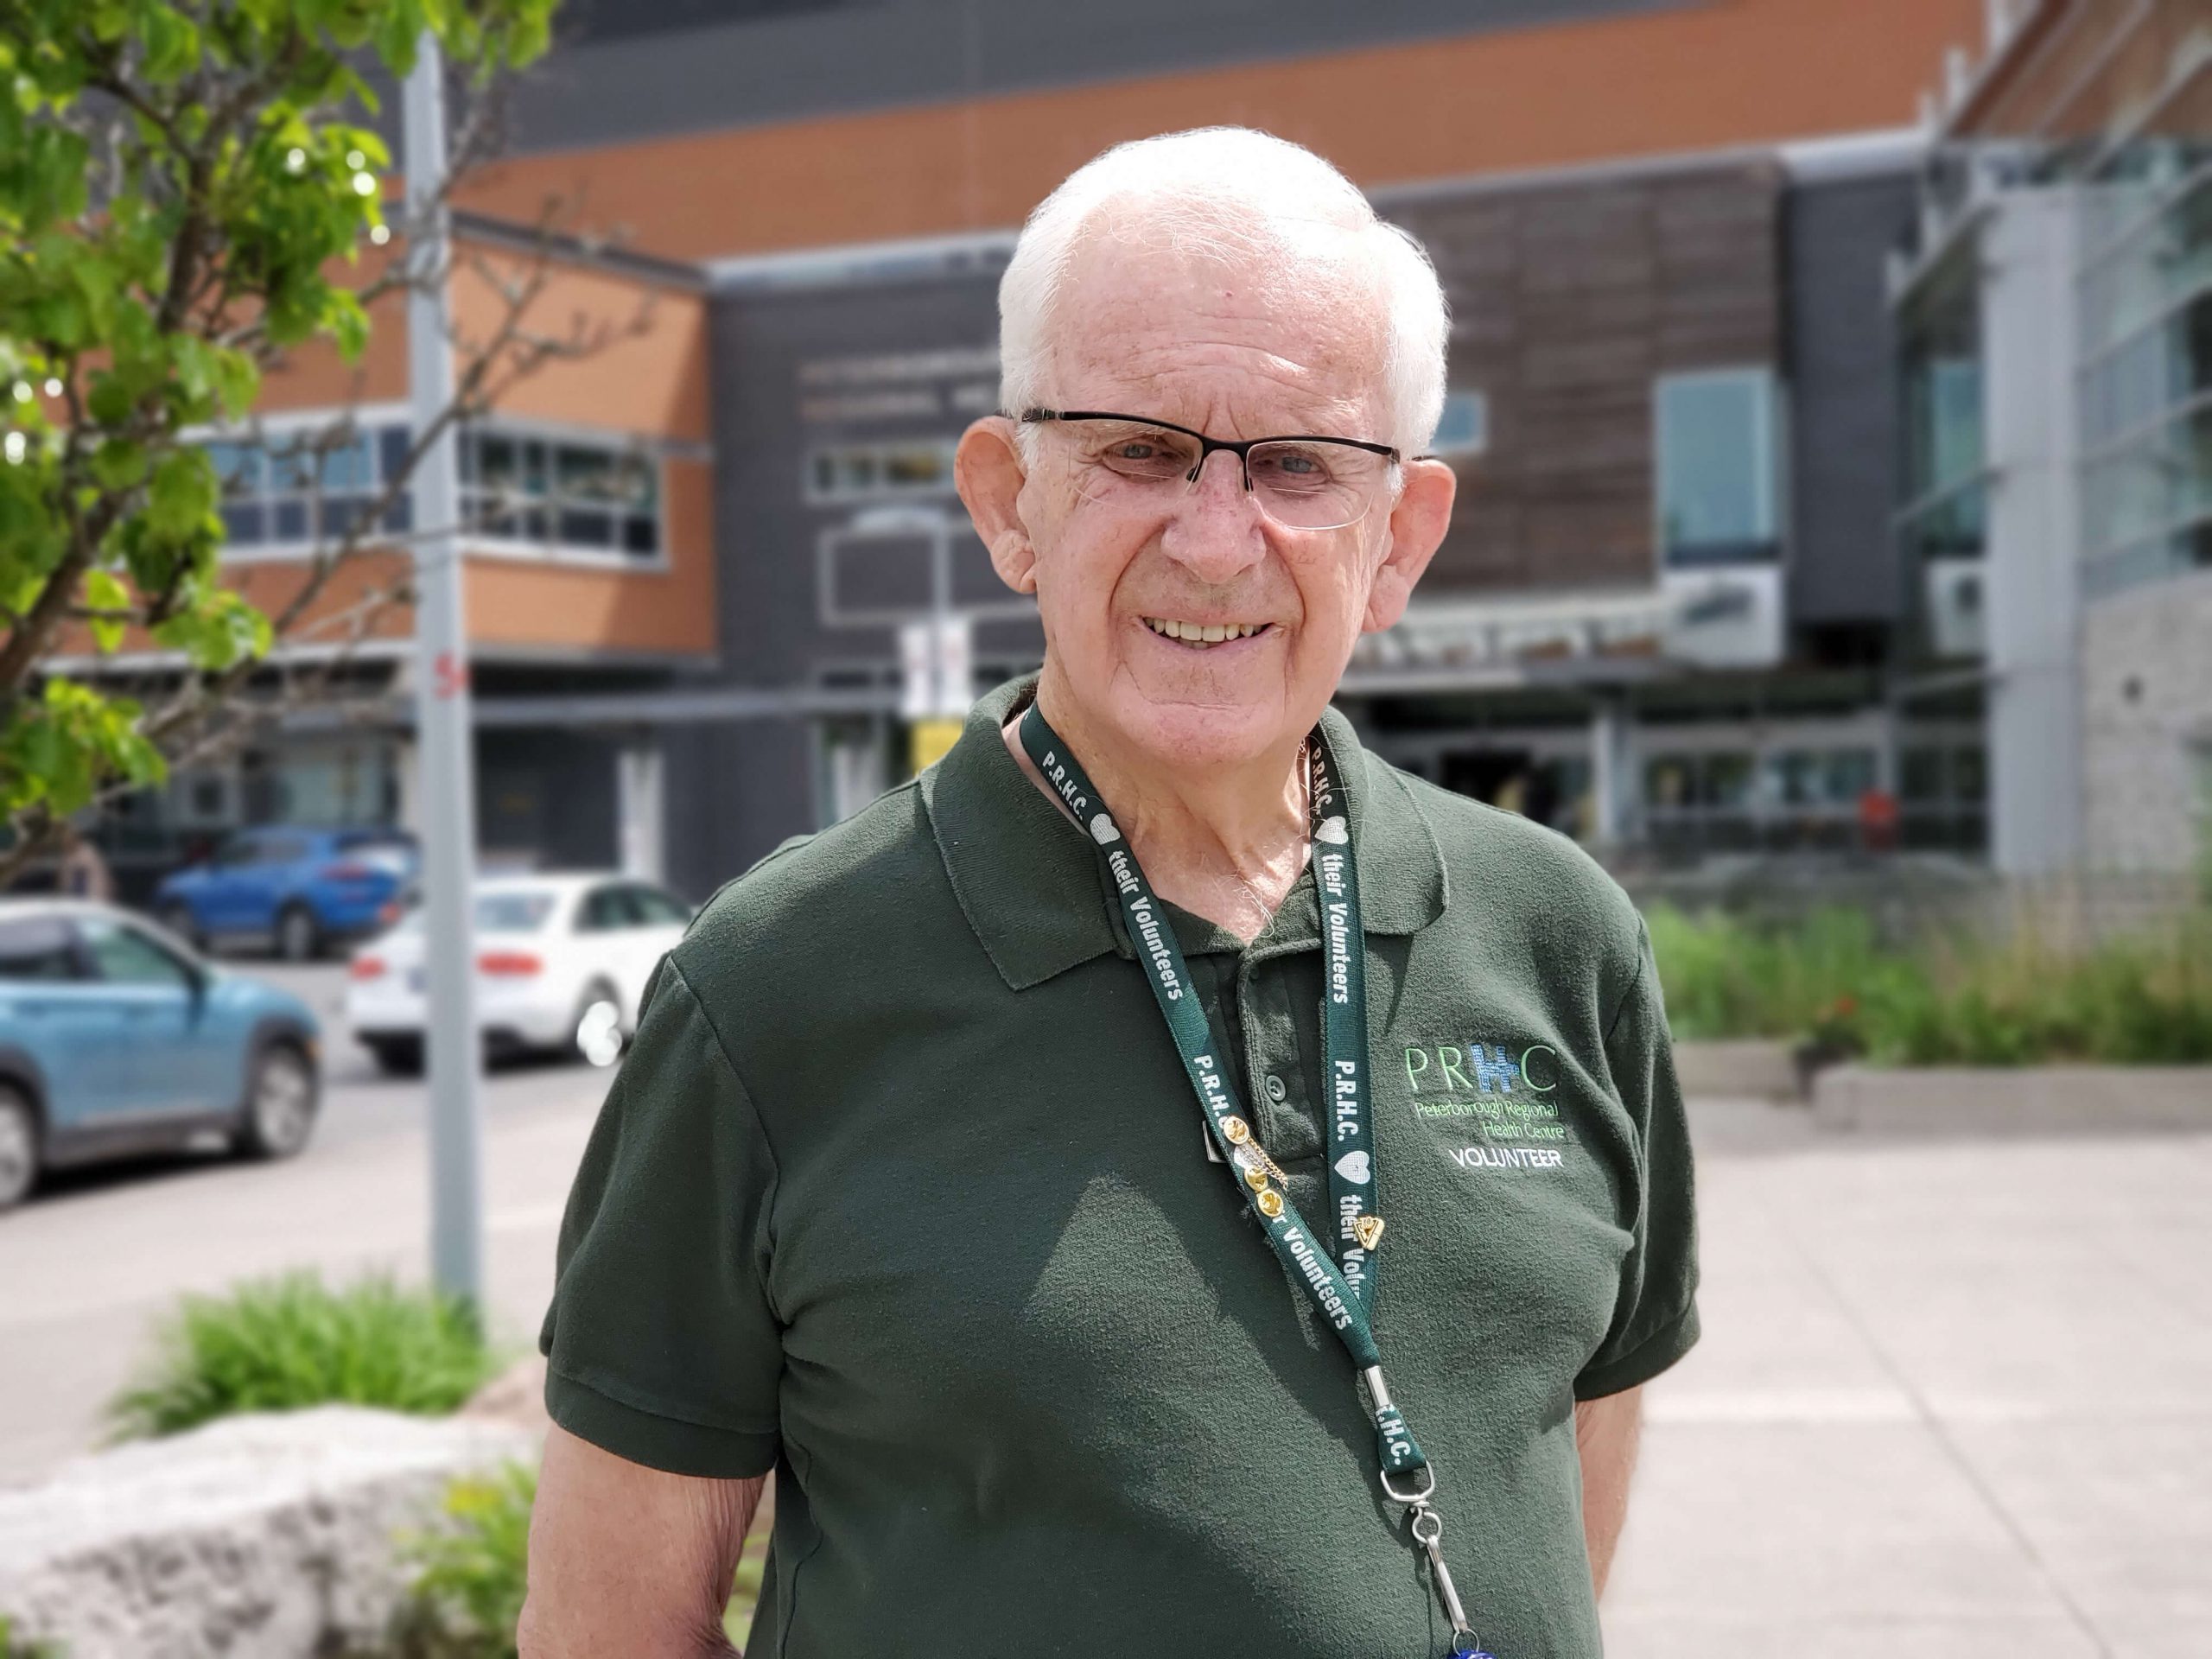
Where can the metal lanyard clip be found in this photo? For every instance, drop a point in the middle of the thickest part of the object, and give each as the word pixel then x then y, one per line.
pixel 1428 1533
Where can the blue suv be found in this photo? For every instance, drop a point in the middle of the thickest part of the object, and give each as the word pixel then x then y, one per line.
pixel 299 890
pixel 116 1040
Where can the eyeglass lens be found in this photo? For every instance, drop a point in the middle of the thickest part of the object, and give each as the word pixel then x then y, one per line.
pixel 1303 484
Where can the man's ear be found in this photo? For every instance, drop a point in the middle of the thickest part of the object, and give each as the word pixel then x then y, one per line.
pixel 1418 521
pixel 987 468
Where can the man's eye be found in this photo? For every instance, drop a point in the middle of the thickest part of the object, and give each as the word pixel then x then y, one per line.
pixel 1134 450
pixel 1294 466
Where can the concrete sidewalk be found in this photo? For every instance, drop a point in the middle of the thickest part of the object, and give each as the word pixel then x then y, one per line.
pixel 1955 1399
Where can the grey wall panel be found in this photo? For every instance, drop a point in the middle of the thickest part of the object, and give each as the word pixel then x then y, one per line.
pixel 549 797
pixel 630 69
pixel 733 792
pixel 1845 442
pixel 798 373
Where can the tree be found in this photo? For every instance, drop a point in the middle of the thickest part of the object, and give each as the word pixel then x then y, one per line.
pixel 186 193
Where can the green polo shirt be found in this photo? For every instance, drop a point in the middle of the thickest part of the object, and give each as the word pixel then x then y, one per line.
pixel 902 1192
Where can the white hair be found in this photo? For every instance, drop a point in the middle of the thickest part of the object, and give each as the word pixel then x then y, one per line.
pixel 1229 191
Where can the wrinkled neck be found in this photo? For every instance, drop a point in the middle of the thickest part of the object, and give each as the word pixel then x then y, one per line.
pixel 1226 843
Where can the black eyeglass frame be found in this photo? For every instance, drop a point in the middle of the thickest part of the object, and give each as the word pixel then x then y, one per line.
pixel 1240 448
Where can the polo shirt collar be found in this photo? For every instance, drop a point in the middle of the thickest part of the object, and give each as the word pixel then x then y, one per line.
pixel 1035 892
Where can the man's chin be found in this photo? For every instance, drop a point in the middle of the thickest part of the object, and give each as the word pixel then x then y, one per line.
pixel 1185 736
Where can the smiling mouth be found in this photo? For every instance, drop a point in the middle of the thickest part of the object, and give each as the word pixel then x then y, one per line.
pixel 1205 634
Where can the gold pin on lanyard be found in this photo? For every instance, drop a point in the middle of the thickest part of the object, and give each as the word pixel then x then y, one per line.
pixel 1252 1157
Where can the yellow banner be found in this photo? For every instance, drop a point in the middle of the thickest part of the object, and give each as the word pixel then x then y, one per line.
pixel 929 740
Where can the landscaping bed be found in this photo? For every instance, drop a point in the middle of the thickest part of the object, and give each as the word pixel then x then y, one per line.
pixel 1830 987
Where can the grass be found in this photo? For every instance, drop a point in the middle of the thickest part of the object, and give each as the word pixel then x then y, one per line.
pixel 1947 1001
pixel 283 1344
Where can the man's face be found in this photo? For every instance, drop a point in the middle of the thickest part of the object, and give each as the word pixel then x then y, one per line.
pixel 1236 355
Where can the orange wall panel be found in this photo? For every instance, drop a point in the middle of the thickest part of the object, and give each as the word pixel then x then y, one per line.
pixel 524 603
pixel 650 377
pixel 1727 73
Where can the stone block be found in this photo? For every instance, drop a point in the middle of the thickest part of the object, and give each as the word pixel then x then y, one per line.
pixel 256 1537
pixel 1755 1068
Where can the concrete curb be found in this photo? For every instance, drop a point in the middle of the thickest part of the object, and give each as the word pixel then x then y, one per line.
pixel 1756 1068
pixel 2023 1100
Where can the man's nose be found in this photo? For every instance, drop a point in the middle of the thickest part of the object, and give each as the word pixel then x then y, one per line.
pixel 1216 532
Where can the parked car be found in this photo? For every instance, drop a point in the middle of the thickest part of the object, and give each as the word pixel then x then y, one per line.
pixel 116 1038
pixel 299 890
pixel 562 962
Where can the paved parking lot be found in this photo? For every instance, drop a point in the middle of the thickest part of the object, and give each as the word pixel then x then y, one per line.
pixel 86 1267
pixel 1953 1401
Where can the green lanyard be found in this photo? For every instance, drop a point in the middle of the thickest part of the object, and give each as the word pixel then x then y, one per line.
pixel 1342 1288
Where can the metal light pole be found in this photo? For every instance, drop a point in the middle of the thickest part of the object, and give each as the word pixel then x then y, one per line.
pixel 442 717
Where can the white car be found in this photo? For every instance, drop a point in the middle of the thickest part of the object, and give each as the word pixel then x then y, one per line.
pixel 562 962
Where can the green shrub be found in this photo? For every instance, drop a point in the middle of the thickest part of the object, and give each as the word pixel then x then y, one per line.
pixel 2142 1001
pixel 1944 1001
pixel 1724 977
pixel 13 1646
pixel 279 1344
pixel 470 1572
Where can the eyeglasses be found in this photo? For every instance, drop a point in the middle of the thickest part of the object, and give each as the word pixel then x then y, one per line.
pixel 1302 483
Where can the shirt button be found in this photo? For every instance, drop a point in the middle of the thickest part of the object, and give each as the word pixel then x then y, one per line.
pixel 1276 1092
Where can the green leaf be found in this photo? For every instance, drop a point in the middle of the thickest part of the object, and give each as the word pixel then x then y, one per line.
pixel 104 591
pixel 184 494
pixel 120 464
pixel 109 400
pixel 219 631
pixel 348 322
pixel 171 44
pixel 238 381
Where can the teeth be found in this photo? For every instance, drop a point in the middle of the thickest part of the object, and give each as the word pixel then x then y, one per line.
pixel 1201 633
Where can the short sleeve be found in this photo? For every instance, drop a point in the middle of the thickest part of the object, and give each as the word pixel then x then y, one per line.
pixel 661 1345
pixel 1655 1318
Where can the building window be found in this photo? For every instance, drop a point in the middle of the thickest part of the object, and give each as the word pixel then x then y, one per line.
pixel 560 494
pixel 2146 387
pixel 1717 458
pixel 1463 428
pixel 296 487
pixel 867 472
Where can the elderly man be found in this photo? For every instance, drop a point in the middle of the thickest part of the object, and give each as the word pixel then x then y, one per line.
pixel 1162 1182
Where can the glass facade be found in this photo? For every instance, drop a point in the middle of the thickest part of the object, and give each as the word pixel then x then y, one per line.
pixel 560 494
pixel 2144 295
pixel 295 488
pixel 1463 425
pixel 869 472
pixel 1943 524
pixel 1946 458
pixel 1717 463
pixel 286 491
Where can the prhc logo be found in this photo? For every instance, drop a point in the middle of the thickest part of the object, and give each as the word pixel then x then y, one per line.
pixel 1483 1068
